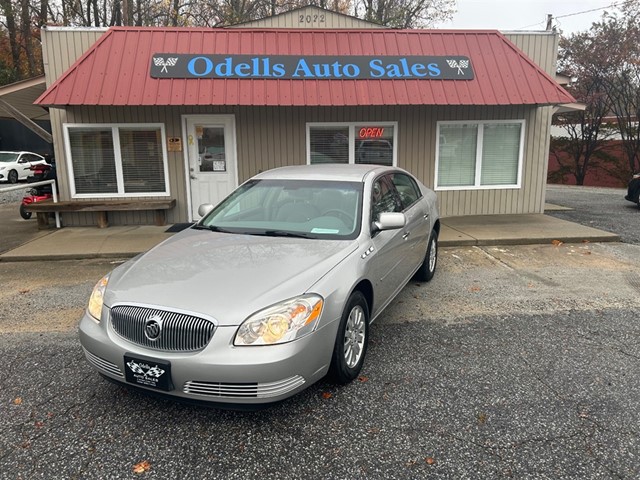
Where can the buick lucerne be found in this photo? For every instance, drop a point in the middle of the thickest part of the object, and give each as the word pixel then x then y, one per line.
pixel 270 291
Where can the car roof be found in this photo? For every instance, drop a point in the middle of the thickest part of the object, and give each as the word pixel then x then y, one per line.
pixel 325 171
pixel 19 151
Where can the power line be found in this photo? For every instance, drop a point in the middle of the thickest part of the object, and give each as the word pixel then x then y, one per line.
pixel 615 4
pixel 542 22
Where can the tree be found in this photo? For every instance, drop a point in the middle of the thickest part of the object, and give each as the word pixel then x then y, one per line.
pixel 586 131
pixel 617 37
pixel 20 20
pixel 12 30
pixel 406 13
pixel 606 62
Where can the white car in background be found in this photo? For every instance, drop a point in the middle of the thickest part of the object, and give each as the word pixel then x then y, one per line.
pixel 16 166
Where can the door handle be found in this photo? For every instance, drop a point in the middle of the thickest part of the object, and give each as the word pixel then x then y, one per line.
pixel 406 235
pixel 193 177
pixel 426 216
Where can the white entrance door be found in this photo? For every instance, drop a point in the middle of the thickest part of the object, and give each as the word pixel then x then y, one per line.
pixel 211 157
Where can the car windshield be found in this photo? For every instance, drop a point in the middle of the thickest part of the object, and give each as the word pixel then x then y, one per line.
pixel 294 208
pixel 7 157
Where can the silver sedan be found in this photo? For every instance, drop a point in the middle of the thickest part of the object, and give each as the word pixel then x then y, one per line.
pixel 273 289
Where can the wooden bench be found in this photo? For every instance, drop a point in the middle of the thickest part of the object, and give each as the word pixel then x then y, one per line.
pixel 101 207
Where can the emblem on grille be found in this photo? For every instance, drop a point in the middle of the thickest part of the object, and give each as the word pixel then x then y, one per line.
pixel 153 327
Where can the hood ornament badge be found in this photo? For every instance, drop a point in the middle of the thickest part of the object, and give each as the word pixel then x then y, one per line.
pixel 153 327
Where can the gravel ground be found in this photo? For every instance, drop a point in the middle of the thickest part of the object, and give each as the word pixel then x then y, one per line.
pixel 10 197
pixel 504 396
pixel 513 362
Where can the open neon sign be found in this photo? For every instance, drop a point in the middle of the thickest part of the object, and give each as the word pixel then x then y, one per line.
pixel 371 132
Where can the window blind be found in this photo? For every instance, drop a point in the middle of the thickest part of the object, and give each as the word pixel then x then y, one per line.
pixel 500 151
pixel 457 156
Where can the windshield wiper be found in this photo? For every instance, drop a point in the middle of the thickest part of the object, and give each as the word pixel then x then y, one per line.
pixel 284 233
pixel 213 228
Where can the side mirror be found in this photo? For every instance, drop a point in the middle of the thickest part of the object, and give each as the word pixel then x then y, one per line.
pixel 389 221
pixel 204 209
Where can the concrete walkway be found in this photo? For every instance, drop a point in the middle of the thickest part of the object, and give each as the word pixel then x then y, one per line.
pixel 128 241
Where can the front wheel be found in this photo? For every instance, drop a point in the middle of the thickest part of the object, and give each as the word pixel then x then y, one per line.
pixel 428 268
pixel 23 212
pixel 351 341
pixel 12 177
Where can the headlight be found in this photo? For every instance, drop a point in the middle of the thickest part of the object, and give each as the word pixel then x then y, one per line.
pixel 97 298
pixel 281 323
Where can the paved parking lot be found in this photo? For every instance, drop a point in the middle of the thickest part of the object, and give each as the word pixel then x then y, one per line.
pixel 514 362
pixel 602 208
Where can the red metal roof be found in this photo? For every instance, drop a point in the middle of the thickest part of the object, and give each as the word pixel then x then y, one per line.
pixel 116 70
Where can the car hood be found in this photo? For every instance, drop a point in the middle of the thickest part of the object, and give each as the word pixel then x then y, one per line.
pixel 224 276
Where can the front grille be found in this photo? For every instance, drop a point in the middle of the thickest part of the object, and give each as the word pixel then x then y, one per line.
pixel 243 390
pixel 102 364
pixel 179 332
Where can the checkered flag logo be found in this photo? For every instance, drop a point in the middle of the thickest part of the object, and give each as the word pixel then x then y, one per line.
pixel 161 62
pixel 460 65
pixel 151 372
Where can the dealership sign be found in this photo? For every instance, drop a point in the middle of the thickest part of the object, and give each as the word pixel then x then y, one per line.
pixel 312 67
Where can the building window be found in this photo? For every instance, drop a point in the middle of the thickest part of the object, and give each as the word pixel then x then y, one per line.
pixel 371 143
pixel 479 155
pixel 117 160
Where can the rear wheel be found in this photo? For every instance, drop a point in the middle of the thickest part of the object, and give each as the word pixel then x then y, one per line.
pixel 428 268
pixel 351 341
pixel 13 176
pixel 23 212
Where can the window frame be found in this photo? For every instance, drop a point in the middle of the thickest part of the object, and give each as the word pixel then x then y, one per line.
pixel 352 137
pixel 478 172
pixel 117 155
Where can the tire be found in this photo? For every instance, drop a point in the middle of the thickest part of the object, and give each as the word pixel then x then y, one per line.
pixel 428 268
pixel 12 177
pixel 352 340
pixel 23 213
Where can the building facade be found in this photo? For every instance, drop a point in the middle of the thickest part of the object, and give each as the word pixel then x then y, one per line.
pixel 144 113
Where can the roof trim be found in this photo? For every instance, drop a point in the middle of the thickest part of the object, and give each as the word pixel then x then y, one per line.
pixel 21 95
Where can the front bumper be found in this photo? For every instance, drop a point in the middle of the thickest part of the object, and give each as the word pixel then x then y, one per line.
pixel 221 372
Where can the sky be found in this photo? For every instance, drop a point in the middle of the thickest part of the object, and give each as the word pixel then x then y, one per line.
pixel 507 15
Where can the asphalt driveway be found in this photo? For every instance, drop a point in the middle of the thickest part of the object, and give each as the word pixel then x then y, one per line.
pixel 524 396
pixel 602 208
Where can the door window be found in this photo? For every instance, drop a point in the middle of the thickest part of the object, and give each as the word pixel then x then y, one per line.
pixel 384 198
pixel 408 191
pixel 211 152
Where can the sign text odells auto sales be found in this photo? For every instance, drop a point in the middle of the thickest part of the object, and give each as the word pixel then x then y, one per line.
pixel 311 67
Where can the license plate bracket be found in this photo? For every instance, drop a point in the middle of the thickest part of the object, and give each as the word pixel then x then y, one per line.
pixel 148 372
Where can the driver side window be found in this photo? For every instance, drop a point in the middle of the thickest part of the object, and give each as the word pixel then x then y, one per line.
pixel 384 198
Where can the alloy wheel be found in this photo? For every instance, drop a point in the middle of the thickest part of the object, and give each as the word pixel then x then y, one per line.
pixel 354 336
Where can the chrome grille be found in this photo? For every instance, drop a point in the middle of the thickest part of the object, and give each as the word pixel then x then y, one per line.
pixel 179 333
pixel 102 364
pixel 243 390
